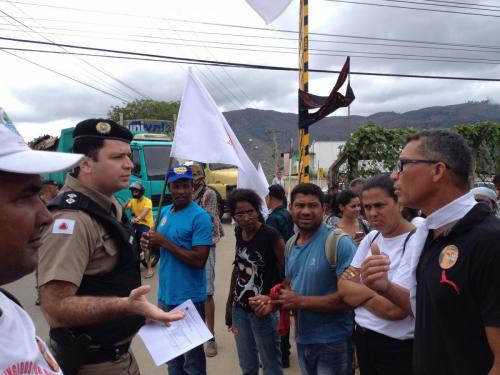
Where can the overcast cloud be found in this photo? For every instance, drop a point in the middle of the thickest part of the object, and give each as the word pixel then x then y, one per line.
pixel 40 101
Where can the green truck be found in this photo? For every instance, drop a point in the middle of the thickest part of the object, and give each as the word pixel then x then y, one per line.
pixel 150 155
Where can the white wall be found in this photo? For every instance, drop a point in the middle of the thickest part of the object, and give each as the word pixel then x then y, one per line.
pixel 326 152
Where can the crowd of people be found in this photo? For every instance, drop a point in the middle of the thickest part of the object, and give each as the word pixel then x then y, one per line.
pixel 397 274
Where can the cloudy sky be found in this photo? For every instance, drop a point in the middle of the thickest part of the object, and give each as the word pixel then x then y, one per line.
pixel 43 92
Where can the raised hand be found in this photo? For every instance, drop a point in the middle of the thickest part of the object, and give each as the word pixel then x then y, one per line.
pixel 374 270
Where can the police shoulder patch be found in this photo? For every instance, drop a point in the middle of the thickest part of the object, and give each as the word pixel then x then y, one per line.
pixel 63 226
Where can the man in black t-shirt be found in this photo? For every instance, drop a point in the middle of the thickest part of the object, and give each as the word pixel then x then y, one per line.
pixel 455 262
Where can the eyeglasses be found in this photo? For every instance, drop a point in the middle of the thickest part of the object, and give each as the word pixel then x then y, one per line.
pixel 242 214
pixel 401 163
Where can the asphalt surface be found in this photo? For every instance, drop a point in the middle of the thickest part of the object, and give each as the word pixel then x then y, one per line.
pixel 226 362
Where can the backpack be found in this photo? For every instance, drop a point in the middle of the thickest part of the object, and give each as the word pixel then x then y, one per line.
pixel 331 245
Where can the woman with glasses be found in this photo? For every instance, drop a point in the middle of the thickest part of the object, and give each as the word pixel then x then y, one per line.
pixel 258 264
pixel 384 333
pixel 348 205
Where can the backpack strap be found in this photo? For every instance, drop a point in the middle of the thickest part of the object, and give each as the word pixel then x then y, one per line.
pixel 375 237
pixel 407 239
pixel 331 245
pixel 289 244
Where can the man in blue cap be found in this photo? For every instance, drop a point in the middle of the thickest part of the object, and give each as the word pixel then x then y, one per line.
pixel 185 236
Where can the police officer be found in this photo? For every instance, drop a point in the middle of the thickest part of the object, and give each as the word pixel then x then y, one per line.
pixel 88 269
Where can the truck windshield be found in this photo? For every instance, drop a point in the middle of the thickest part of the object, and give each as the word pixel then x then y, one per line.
pixel 217 166
pixel 156 158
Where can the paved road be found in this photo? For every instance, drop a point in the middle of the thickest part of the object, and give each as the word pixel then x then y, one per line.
pixel 226 362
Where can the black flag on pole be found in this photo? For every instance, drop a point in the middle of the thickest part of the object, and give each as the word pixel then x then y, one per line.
pixel 326 104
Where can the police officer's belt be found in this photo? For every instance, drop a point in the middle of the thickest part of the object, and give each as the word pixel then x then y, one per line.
pixel 105 353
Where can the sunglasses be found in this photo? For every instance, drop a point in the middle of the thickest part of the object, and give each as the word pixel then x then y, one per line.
pixel 402 162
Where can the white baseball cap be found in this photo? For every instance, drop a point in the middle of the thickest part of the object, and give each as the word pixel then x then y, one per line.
pixel 17 157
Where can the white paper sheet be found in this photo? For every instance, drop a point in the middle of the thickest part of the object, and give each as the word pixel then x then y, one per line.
pixel 165 343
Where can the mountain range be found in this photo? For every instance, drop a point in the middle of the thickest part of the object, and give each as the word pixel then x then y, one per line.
pixel 258 129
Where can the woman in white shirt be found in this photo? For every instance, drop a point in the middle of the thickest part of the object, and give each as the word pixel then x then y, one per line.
pixel 384 333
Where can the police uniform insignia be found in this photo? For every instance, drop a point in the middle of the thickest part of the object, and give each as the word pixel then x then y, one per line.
pixel 103 127
pixel 63 226
pixel 180 170
pixel 71 198
pixel 448 257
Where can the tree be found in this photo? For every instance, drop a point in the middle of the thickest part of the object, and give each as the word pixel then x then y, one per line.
pixel 145 109
pixel 373 149
pixel 484 141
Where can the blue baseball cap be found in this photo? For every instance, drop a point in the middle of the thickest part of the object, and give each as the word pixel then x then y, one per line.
pixel 178 173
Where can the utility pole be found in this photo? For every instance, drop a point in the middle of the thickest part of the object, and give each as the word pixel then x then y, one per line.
pixel 304 86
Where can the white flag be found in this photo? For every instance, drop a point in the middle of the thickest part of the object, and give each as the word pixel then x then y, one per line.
pixel 269 10
pixel 202 134
pixel 262 174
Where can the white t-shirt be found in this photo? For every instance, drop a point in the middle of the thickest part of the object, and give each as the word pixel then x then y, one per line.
pixel 21 351
pixel 278 181
pixel 393 248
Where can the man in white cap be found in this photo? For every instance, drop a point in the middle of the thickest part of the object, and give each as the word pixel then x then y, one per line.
pixel 23 215
pixel 487 196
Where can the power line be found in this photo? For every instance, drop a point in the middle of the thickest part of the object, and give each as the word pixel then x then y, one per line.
pixel 184 60
pixel 93 77
pixel 421 57
pixel 414 8
pixel 336 53
pixel 462 3
pixel 485 49
pixel 475 45
pixel 65 75
pixel 216 84
pixel 225 71
pixel 472 6
pixel 102 71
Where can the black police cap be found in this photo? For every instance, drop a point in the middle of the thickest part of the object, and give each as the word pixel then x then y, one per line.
pixel 101 129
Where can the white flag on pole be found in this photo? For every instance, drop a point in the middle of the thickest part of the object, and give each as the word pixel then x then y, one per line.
pixel 202 134
pixel 269 10
pixel 262 174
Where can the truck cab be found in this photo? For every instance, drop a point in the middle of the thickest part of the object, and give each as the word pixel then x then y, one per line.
pixel 222 178
pixel 150 156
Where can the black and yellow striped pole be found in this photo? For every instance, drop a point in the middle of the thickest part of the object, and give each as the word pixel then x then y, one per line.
pixel 304 86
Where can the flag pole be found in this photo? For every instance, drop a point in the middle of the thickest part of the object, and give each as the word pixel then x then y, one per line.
pixel 163 191
pixel 304 86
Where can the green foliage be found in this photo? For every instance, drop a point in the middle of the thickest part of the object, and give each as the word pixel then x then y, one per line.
pixel 484 141
pixel 373 149
pixel 145 109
